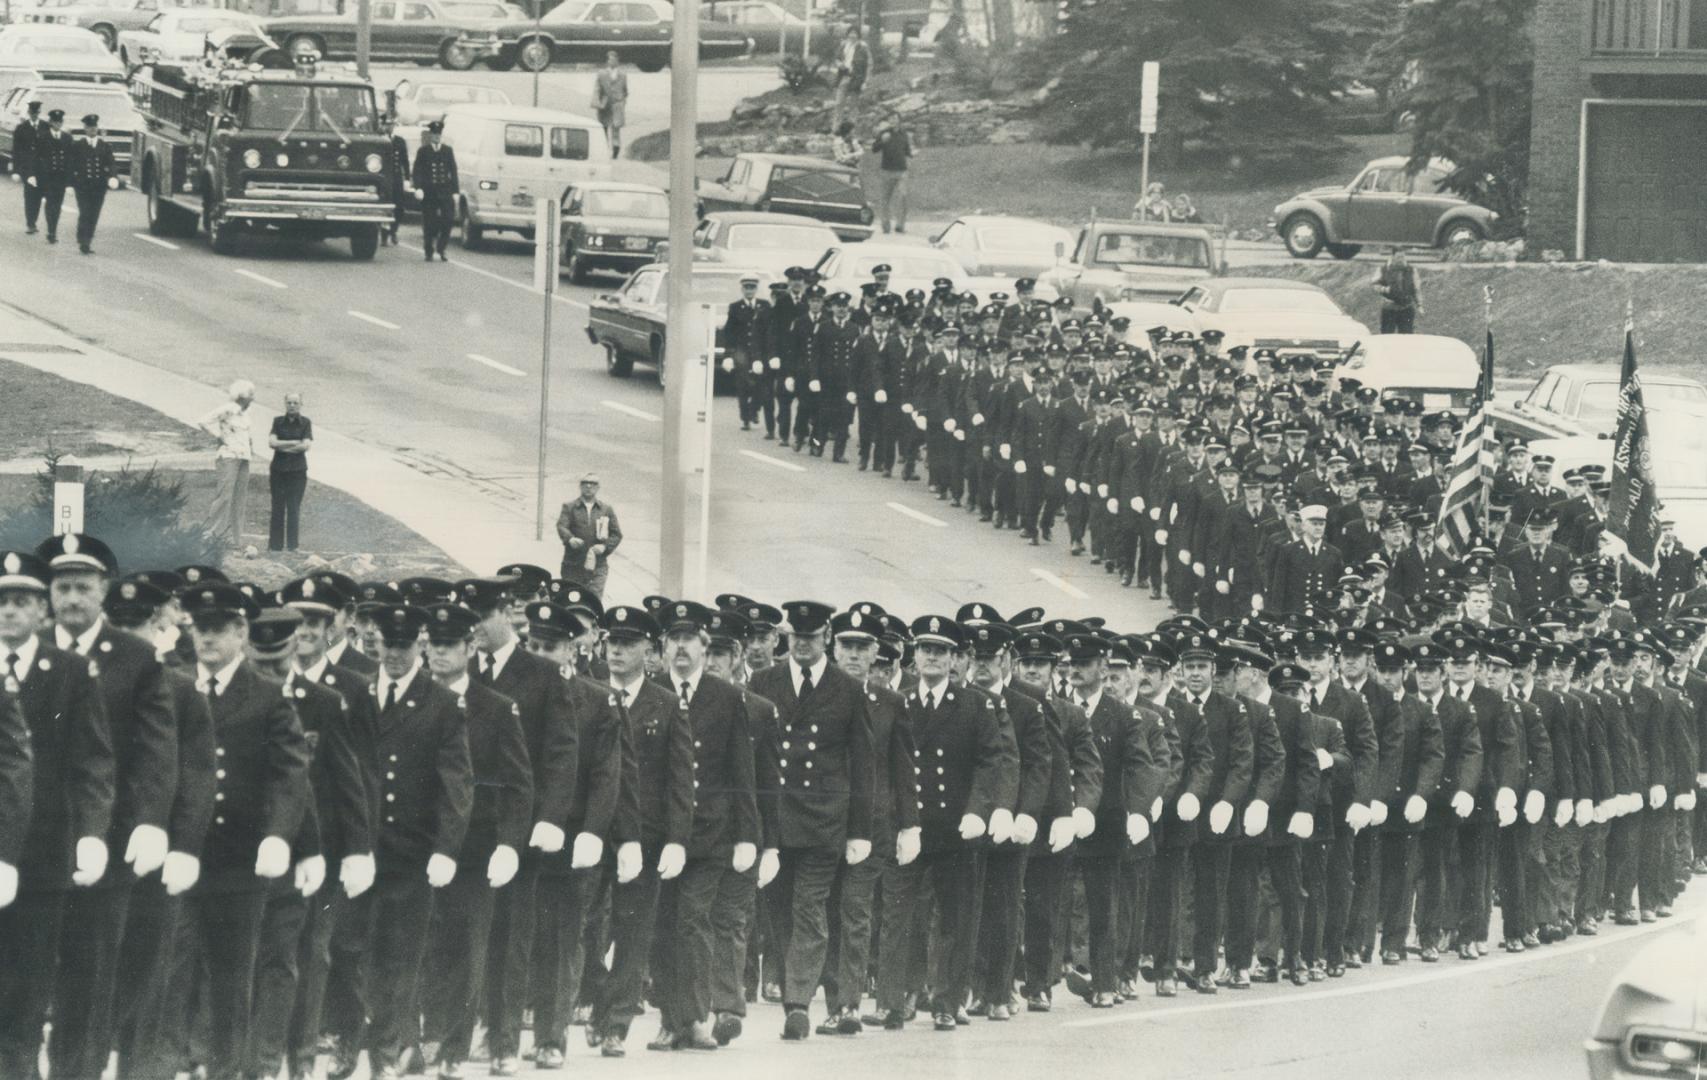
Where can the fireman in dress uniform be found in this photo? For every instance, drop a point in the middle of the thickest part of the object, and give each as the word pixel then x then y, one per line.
pixel 24 138
pixel 436 179
pixel 93 171
pixel 50 170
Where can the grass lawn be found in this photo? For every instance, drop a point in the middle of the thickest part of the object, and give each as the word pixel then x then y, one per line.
pixel 43 411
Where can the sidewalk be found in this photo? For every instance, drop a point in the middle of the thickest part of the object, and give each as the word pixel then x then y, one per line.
pixel 467 523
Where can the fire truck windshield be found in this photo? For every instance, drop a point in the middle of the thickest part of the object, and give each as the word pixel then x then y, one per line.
pixel 289 107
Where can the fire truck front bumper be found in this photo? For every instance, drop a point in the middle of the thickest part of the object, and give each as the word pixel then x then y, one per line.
pixel 279 210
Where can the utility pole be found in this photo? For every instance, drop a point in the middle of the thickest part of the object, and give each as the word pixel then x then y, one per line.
pixel 1148 86
pixel 536 6
pixel 364 36
pixel 680 343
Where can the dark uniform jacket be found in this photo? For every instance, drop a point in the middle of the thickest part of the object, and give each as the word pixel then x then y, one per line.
pixel 51 162
pixel 92 164
pixel 1030 733
pixel 24 138
pixel 656 803
pixel 1540 579
pixel 17 779
pixel 72 751
pixel 830 803
pixel 435 171
pixel 895 788
pixel 549 728
pixel 1197 770
pixel 260 786
pixel 1268 765
pixel 1329 736
pixel 726 807
pixel 1300 775
pixel 1501 767
pixel 426 778
pixel 603 745
pixel 1075 773
pixel 1413 758
pixel 503 776
pixel 341 819
pixel 1535 747
pixel 192 802
pixel 747 333
pixel 1228 726
pixel 1359 783
pixel 965 760
pixel 1298 575
pixel 1131 777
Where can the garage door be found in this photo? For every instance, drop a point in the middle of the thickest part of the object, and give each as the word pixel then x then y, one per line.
pixel 1646 194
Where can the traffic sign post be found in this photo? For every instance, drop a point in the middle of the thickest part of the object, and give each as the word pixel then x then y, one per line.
pixel 547 234
pixel 67 496
pixel 1149 84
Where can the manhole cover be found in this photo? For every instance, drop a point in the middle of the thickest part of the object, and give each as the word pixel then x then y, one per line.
pixel 37 347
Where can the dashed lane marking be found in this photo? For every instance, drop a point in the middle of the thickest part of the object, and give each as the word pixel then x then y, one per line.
pixel 155 240
pixel 1055 579
pixel 374 319
pixel 774 461
pixel 907 511
pixel 265 280
pixel 514 284
pixel 495 365
pixel 629 410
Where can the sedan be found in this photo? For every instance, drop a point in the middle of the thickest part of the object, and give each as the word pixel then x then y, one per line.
pixel 1653 1024
pixel 1002 246
pixel 106 18
pixel 1386 203
pixel 638 31
pixel 792 184
pixel 180 35
pixel 774 242
pixel 629 324
pixel 418 103
pixel 452 33
pixel 1677 435
pixel 1290 317
pixel 58 52
pixel 774 28
pixel 611 226
pixel 119 119
pixel 846 267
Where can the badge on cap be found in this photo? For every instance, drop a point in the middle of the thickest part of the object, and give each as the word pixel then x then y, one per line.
pixel 70 544
pixel 128 591
pixel 621 614
pixel 936 626
pixel 308 589
pixel 13 563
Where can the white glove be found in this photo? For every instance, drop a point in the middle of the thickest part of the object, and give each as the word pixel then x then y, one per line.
pixel 310 875
pixel 1199 569
pixel 1656 796
pixel 788 383
pixel 441 870
pixel 1534 805
pixel 853 398
pixel 272 858
pixel 1604 812
pixel 1562 813
pixel 776 364
pixel 1585 812
pixel 628 862
pixel 547 838
pixel 758 367
pixel 1185 557
pixel 907 408
pixel 1256 601
pixel 881 397
pixel 1001 825
pixel 1505 799
pixel 1463 803
pixel 671 861
pixel 1416 808
pixel 1223 588
pixel 728 363
pixel 949 424
pixel 1161 536
pixel 1220 816
pixel 1507 817
pixel 356 874
pixel 814 385
pixel 1357 816
pixel 919 419
pixel 1324 760
pixel 907 845
pixel 1025 828
pixel 1256 818
pixel 502 866
pixel 589 849
pixel 92 860
pixel 1071 485
pixel 112 183
pixel 1136 503
pixel 1684 801
pixel 1102 491
pixel 744 856
pixel 1019 468
pixel 1084 822
pixel 1006 450
pixel 1188 807
pixel 769 864
pixel 1061 834
pixel 977 418
pixel 1137 828
pixel 180 872
pixel 1701 779
pixel 1048 470
pixel 8 884
pixel 32 182
pixel 959 435
pixel 1155 513
pixel 1113 506
pixel 146 849
pixel 1302 825
pixel 1377 813
pixel 856 852
pixel 971 827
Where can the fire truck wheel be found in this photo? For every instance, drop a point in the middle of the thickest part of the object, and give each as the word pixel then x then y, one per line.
pixel 364 242
pixel 221 237
pixel 471 232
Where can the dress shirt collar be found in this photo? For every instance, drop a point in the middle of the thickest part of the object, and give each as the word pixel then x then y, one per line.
pixel 335 651
pixel 83 642
pixel 628 692
pixel 816 669
pixel 386 682
pixel 931 697
pixel 316 671
pixel 1088 702
pixel 500 656
pixel 460 686
pixel 676 682
pixel 26 656
pixel 216 682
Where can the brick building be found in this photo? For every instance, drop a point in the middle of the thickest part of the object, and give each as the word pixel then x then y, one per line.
pixel 1618 154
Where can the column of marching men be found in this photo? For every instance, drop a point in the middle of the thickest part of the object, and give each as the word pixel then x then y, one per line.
pixel 249 831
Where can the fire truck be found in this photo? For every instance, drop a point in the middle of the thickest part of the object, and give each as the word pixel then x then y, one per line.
pixel 262 146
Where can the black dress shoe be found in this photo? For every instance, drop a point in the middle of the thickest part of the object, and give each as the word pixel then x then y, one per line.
pixel 1353 961
pixel 943 1021
pixel 892 1020
pixel 1467 951
pixel 727 1029
pixel 829 1026
pixel 697 1037
pixel 797 1025
pixel 1391 957
pixel 1038 1003
pixel 1530 941
pixel 611 1046
pixel 960 1016
pixel 1336 971
pixel 1298 977
pixel 1429 955
pixel 664 1040
pixel 1166 987
pixel 1266 973
pixel 850 1023
pixel 1102 999
pixel 979 1008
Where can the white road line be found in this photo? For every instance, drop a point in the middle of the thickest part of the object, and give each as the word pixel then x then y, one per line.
pixel 495 366
pixel 907 511
pixel 155 240
pixel 629 410
pixel 776 461
pixel 265 280
pixel 374 319
pixel 1439 974
pixel 514 284
pixel 1054 579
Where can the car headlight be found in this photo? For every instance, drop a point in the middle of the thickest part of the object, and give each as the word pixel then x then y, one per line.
pixel 1651 1051
pixel 251 159
pixel 374 163
pixel 488 185
pixel 282 160
pixel 865 215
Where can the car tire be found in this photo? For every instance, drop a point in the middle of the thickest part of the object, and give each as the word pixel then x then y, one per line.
pixel 164 218
pixel 617 366
pixel 577 267
pixel 535 54
pixel 221 237
pixel 1461 232
pixel 651 63
pixel 299 43
pixel 109 37
pixel 455 57
pixel 1304 235
pixel 1344 251
pixel 469 232
pixel 364 242
pixel 658 361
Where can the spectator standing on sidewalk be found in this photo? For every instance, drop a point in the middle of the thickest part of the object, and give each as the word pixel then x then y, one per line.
pixel 894 149
pixel 1401 294
pixel 610 101
pixel 853 64
pixel 291 439
pixel 589 531
pixel 229 423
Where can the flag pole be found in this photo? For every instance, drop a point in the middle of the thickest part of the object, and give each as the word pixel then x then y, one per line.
pixel 1484 454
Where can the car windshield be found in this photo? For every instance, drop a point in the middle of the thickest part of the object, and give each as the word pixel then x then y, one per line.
pixel 447 95
pixel 708 288
pixel 51 44
pixel 475 11
pixel 1301 301
pixel 1019 238
pixel 815 185
pixel 201 24
pixel 110 107
pixel 1598 403
pixel 637 204
pixel 1149 250
pixel 571 12
pixel 341 110
pixel 776 237
pixel 905 266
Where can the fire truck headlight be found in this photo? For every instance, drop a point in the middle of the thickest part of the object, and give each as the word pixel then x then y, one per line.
pixel 375 163
pixel 251 159
pixel 283 160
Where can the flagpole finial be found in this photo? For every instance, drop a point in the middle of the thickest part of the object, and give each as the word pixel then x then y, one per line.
pixel 1629 313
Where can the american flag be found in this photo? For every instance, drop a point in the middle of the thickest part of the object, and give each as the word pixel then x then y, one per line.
pixel 1472 475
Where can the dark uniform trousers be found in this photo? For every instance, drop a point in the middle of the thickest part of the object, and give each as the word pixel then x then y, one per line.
pixel 1134 910
pixel 1591 862
pixel 1513 855
pixel 616 992
pixel 999 922
pixel 456 960
pixel 1437 902
pixel 224 931
pixel 548 934
pixel 800 915
pixel 1167 891
pixel 89 203
pixel 848 960
pixel 394 915
pixel 1397 861
pixel 29 960
pixel 1046 879
pixel 1313 855
pixel 88 959
pixel 289 925
pixel 1211 863
pixel 953 880
pixel 145 971
pixel 1477 843
pixel 683 968
pixel 1102 879
pixel 1285 873
pixel 438 211
pixel 733 925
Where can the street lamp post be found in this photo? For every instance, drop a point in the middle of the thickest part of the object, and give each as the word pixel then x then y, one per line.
pixel 680 343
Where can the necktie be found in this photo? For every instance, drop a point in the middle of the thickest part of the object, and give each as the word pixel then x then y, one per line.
pixel 1315 697
pixel 486 666
pixel 686 693
pixel 805 683
pixel 12 665
pixel 390 697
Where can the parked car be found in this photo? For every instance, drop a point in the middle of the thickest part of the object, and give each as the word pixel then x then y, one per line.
pixel 773 27
pixel 1385 204
pixel 57 52
pixel 1142 315
pixel 846 267
pixel 420 102
pixel 180 35
pixel 793 184
pixel 119 119
pixel 509 155
pixel 1290 317
pixel 1653 1023
pixel 611 226
pixel 584 30
pixel 1131 260
pixel 773 242
pixel 1582 399
pixel 629 324
pixel 453 33
pixel 991 246
pixel 1677 435
pixel 107 19
pixel 1440 372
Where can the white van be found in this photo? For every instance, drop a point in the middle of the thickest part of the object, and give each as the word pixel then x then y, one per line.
pixel 509 156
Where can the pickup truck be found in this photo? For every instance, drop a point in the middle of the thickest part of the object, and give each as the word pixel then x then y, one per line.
pixel 1132 260
pixel 1572 400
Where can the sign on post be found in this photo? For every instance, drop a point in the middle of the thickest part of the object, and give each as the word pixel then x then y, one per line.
pixel 67 497
pixel 1147 95
pixel 547 230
